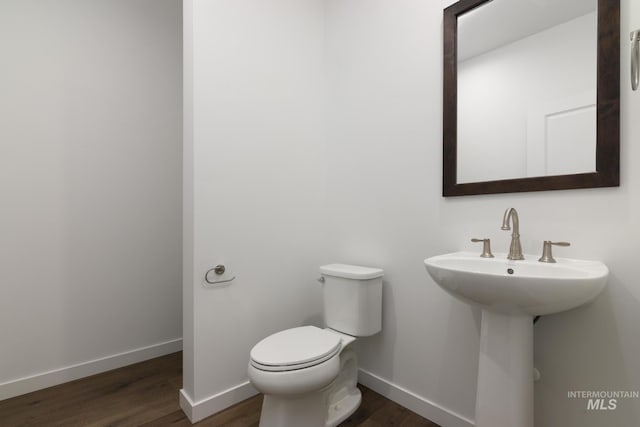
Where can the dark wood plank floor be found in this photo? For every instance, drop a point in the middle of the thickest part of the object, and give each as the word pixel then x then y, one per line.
pixel 146 394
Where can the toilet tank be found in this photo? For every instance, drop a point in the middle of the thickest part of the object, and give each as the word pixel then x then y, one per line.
pixel 352 299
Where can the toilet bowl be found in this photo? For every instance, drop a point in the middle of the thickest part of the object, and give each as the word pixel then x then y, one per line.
pixel 309 375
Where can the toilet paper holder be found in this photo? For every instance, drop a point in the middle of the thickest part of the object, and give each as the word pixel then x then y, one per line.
pixel 218 270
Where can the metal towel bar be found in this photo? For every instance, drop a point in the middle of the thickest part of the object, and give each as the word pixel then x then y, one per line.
pixel 635 59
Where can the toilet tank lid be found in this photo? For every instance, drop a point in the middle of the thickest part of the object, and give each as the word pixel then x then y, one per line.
pixel 351 271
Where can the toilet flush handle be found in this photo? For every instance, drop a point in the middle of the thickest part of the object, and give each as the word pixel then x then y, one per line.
pixel 321 279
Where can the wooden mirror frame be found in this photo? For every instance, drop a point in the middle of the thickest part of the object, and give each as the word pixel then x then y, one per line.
pixel 608 112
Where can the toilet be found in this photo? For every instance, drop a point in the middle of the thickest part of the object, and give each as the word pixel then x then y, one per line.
pixel 309 375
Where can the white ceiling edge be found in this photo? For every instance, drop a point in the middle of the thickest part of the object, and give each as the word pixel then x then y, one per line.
pixel 500 22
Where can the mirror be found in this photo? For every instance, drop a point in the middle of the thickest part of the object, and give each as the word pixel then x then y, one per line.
pixel 531 95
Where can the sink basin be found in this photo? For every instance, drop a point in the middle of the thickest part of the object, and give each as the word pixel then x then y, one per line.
pixel 510 293
pixel 525 286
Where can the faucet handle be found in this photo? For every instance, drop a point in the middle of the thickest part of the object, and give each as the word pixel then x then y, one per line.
pixel 546 250
pixel 486 247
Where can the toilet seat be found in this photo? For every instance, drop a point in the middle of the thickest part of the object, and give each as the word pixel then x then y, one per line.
pixel 294 349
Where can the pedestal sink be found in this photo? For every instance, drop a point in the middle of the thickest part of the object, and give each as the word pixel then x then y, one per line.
pixel 510 293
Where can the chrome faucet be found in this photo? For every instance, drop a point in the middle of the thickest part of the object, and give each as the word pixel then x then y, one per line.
pixel 515 250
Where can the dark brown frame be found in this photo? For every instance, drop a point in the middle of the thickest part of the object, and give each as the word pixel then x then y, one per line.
pixel 608 112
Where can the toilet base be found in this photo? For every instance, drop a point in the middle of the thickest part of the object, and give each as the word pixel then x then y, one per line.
pixel 342 409
pixel 323 408
pixel 343 396
pixel 307 410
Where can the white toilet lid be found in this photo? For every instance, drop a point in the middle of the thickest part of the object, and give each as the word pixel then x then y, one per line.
pixel 295 348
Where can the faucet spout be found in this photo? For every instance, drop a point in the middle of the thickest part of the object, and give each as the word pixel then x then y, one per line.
pixel 515 249
pixel 505 219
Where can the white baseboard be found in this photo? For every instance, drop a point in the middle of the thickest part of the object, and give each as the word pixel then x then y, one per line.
pixel 80 370
pixel 201 409
pixel 412 401
pixel 197 411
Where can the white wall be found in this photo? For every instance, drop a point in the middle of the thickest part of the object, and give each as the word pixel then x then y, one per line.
pixel 277 192
pixel 384 103
pixel 255 137
pixel 90 175
pixel 385 96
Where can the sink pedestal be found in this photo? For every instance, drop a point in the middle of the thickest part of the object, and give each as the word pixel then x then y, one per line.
pixel 510 293
pixel 505 371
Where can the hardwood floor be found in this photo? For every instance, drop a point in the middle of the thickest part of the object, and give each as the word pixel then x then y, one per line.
pixel 146 394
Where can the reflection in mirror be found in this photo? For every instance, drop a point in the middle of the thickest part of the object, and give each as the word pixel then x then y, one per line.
pixel 527 89
pixel 531 95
